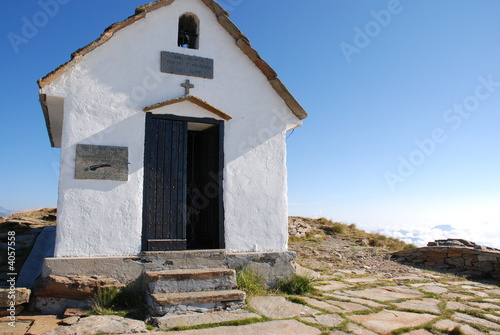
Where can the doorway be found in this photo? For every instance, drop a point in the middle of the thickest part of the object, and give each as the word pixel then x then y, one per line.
pixel 183 162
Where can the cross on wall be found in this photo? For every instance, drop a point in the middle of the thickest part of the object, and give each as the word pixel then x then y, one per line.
pixel 187 85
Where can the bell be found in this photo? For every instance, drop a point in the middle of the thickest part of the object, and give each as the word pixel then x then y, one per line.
pixel 183 40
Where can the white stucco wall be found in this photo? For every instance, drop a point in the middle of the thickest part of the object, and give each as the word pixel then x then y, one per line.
pixel 104 95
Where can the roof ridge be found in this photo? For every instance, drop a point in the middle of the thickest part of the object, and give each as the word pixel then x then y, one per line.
pixel 222 17
pixel 149 7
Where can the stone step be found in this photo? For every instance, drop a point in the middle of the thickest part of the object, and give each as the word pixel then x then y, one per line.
pixel 193 280
pixel 197 298
pixel 186 259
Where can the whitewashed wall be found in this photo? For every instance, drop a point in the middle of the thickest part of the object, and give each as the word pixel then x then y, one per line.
pixel 104 95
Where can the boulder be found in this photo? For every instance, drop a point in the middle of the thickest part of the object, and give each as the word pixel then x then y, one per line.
pixel 19 295
pixel 109 324
pixel 72 287
pixel 305 272
pixel 57 306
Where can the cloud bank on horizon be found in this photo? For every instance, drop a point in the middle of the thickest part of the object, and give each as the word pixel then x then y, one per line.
pixel 4 211
pixel 483 234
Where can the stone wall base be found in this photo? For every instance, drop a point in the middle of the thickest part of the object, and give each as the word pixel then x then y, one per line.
pixel 471 261
pixel 129 271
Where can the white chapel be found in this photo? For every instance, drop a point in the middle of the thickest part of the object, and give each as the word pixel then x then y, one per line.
pixel 172 136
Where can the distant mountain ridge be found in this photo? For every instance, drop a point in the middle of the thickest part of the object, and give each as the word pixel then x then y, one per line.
pixel 5 212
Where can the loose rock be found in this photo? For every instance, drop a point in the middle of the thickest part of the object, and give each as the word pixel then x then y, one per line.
pixel 101 324
pixel 279 308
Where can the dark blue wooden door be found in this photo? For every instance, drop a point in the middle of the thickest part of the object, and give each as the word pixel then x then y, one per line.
pixel 165 180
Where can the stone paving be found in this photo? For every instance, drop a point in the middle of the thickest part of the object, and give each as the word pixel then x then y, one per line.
pixel 431 303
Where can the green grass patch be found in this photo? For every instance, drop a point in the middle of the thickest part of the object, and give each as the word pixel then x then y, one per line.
pixel 363 286
pixel 315 236
pixel 373 310
pixel 343 326
pixel 322 283
pixel 402 331
pixel 442 306
pixel 430 295
pixel 104 298
pixel 126 302
pixel 473 312
pixel 297 285
pixel 297 300
pixel 334 228
pixel 222 324
pixel 251 282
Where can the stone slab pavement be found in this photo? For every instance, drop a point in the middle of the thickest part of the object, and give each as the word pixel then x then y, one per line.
pixel 275 307
pixel 36 324
pixel 172 321
pixel 281 327
pixel 387 321
pixel 432 303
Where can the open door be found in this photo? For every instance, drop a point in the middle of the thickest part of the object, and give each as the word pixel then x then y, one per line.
pixel 165 178
pixel 182 184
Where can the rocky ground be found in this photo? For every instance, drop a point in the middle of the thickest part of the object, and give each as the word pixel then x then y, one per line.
pixel 26 226
pixel 356 251
pixel 350 251
pixel 360 290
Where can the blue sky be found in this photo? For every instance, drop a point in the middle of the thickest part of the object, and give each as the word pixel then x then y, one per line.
pixel 402 96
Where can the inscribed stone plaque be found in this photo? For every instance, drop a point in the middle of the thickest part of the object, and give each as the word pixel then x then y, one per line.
pixel 101 162
pixel 193 66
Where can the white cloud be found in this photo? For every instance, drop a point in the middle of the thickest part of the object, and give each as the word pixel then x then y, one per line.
pixel 486 234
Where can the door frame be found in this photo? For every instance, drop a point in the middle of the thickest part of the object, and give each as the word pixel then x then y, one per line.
pixel 219 177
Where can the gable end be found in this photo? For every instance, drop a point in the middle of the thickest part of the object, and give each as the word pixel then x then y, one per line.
pixel 222 17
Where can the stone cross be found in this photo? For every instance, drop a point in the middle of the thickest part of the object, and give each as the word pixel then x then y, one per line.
pixel 187 85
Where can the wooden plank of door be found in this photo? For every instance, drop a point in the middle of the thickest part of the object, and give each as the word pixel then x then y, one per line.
pixel 179 179
pixel 183 178
pixel 167 190
pixel 160 181
pixel 150 162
